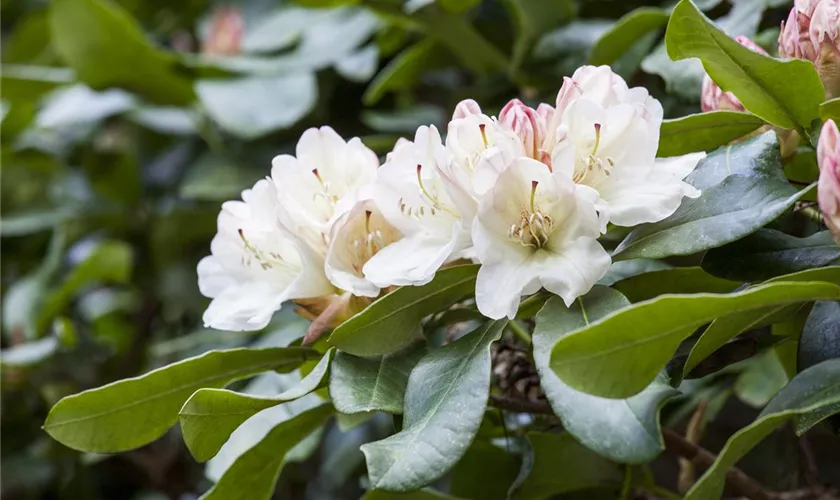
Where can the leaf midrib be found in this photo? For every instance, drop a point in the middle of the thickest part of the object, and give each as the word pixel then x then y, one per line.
pixel 231 375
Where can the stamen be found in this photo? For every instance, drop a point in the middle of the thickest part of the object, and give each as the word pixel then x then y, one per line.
pixel 533 194
pixel 367 221
pixel 318 176
pixel 482 127
pixel 435 202
pixel 597 138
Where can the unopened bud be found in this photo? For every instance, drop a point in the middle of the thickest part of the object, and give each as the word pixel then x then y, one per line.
pixel 824 33
pixel 466 108
pixel 828 187
pixel 713 98
pixel 526 123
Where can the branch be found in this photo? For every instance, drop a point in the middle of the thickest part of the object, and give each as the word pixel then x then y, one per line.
pixel 735 477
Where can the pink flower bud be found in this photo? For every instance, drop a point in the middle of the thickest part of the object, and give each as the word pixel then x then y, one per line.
pixel 466 108
pixel 828 187
pixel 225 33
pixel 824 33
pixel 794 38
pixel 713 98
pixel 525 122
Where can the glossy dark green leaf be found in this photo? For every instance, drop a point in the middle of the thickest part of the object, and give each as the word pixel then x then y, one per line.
pixel 768 253
pixel 254 106
pixel 556 464
pixel 634 422
pixel 135 411
pixel 681 280
pixel 813 389
pixel 444 402
pixel 704 131
pixel 758 156
pixel 626 31
pixel 485 471
pixel 106 48
pixel 393 321
pixel 820 339
pixel 784 93
pixel 727 327
pixel 211 415
pixel 372 384
pixel 723 213
pixel 255 472
pixel 622 353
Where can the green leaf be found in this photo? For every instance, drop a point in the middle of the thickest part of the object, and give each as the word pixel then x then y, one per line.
pixel 362 384
pixel 704 131
pixel 106 48
pixel 723 213
pixel 634 422
pixel 556 464
pixel 393 321
pixel 405 69
pixel 683 280
pixel 624 269
pixel 813 389
pixel 830 110
pixel 130 413
pixel 820 340
pixel 768 253
pixel 254 106
pixel 727 327
pixel 486 472
pixel 533 18
pixel 620 354
pixel 784 93
pixel 107 262
pixel 624 33
pixel 255 472
pixel 424 494
pixel 762 378
pixel 440 423
pixel 755 157
pixel 211 415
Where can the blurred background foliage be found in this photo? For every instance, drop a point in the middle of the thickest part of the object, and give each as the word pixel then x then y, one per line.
pixel 126 123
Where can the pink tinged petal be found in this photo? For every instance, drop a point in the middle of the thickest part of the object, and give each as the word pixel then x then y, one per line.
pixel 466 108
pixel 828 186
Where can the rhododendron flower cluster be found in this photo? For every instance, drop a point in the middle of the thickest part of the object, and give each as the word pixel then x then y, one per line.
pixel 526 195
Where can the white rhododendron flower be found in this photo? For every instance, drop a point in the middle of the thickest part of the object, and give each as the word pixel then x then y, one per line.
pixel 535 229
pixel 321 181
pixel 479 148
pixel 607 136
pixel 255 265
pixel 425 205
pixel 358 235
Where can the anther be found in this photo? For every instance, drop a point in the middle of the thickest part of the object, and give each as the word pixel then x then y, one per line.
pixel 482 128
pixel 597 138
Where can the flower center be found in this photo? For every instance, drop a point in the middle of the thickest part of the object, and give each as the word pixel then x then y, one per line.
pixel 325 189
pixel 367 246
pixel 266 260
pixel 591 167
pixel 420 211
pixel 533 228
